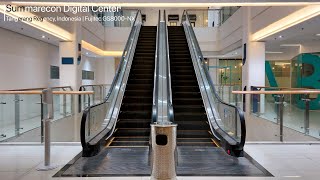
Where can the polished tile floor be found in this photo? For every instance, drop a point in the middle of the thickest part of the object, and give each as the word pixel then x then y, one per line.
pixel 283 161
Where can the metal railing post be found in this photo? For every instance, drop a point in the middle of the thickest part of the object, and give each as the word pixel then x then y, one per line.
pixel 48 104
pixel 307 100
pixel 280 114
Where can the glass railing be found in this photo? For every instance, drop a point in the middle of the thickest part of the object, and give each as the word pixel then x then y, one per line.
pixel 98 121
pixel 99 93
pixel 227 12
pixel 226 120
pixel 299 118
pixel 225 93
pixel 21 114
pixel 209 17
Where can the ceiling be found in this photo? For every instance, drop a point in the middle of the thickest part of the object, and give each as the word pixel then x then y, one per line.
pixel 305 32
pixel 27 30
pixel 180 3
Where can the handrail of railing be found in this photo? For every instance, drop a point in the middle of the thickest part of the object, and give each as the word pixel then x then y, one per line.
pixel 156 77
pixel 92 146
pixel 53 92
pixel 270 87
pixel 40 88
pixel 279 92
pixel 90 85
pixel 169 89
pixel 239 146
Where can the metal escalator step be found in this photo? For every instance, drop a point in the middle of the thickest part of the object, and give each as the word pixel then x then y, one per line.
pixel 193 125
pixel 143 92
pixel 138 86
pixel 129 144
pixel 134 123
pixel 193 134
pixel 191 116
pixel 181 140
pixel 135 114
pixel 136 99
pixel 140 81
pixel 185 89
pixel 188 101
pixel 184 83
pixel 127 132
pixel 142 138
pixel 188 108
pixel 187 95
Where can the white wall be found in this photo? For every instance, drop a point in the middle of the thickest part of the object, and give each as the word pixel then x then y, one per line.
pixel 105 70
pixel 25 62
pixel 116 38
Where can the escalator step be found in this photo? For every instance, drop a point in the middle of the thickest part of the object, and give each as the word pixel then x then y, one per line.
pixel 134 123
pixel 119 139
pixel 188 108
pixel 182 140
pixel 135 114
pixel 129 143
pixel 185 88
pixel 138 86
pixel 140 81
pixel 187 95
pixel 139 93
pixel 189 101
pixel 137 99
pixel 191 116
pixel 193 125
pixel 184 83
pixel 194 134
pixel 128 132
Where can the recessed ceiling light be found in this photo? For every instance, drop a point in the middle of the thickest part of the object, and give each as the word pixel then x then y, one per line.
pixel 290 45
pixel 317 34
pixel 236 53
pixel 280 36
pixel 87 53
pixel 43 36
pixel 273 52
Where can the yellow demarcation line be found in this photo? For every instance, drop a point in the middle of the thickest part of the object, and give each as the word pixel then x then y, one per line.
pixel 215 142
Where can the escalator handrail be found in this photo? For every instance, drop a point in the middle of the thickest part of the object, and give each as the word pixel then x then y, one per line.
pixel 169 88
pixel 156 78
pixel 240 144
pixel 85 144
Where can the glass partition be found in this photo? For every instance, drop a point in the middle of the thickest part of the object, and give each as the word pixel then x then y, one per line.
pixel 209 17
pixel 99 94
pixel 21 115
pixel 267 106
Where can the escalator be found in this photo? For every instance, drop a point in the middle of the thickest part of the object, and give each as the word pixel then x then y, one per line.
pixel 159 82
pixel 189 112
pixel 204 119
pixel 133 126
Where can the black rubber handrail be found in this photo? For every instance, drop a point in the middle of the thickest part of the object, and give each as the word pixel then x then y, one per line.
pixel 240 144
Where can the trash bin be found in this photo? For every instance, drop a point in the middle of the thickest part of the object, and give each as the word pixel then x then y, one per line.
pixel 163 151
